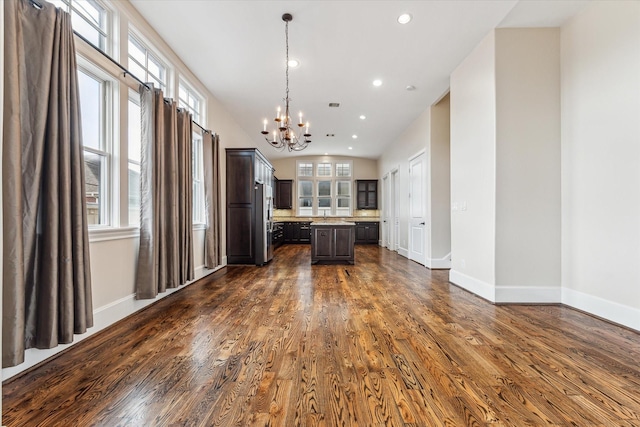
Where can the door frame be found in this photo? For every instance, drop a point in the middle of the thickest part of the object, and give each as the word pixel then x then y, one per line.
pixel 423 259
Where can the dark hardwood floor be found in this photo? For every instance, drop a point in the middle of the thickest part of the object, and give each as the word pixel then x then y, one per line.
pixel 383 342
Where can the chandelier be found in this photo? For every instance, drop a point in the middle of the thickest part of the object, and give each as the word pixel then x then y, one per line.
pixel 285 134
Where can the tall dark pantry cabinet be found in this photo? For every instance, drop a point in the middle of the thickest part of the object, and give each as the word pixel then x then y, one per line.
pixel 245 168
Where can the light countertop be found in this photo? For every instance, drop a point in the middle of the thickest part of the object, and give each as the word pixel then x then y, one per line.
pixel 328 219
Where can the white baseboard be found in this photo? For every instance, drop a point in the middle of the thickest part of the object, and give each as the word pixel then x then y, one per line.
pixel 528 294
pixel 443 263
pixel 403 252
pixel 609 310
pixel 103 317
pixel 471 284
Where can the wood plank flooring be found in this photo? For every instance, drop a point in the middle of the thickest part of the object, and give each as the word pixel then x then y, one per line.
pixel 385 342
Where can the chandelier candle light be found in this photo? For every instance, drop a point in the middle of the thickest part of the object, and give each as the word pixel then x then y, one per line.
pixel 285 135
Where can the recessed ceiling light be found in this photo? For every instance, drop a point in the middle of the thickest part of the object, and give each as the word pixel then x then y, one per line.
pixel 362 117
pixel 293 63
pixel 377 82
pixel 410 88
pixel 354 136
pixel 350 148
pixel 405 18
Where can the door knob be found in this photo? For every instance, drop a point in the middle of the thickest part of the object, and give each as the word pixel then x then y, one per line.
pixel 422 223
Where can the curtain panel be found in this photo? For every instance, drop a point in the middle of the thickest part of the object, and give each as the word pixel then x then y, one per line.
pixel 46 269
pixel 210 155
pixel 165 258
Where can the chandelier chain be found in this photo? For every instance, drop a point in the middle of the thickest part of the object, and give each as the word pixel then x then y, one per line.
pixel 284 136
pixel 286 35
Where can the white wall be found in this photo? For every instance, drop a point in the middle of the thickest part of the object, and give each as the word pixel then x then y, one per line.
pixel 440 186
pixel 285 168
pixel 473 197
pixel 601 161
pixel 414 139
pixel 527 165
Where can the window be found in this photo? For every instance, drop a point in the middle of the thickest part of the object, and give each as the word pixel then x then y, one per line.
pixel 190 100
pixel 88 18
pixel 305 197
pixel 198 180
pixel 134 140
pixel 343 169
pixel 146 65
pixel 324 169
pixel 343 198
pixel 93 105
pixel 322 194
pixel 305 169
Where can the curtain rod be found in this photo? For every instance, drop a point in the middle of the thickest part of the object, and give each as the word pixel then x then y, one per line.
pixel 126 71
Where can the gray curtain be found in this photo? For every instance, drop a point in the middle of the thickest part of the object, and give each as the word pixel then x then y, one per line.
pixel 46 273
pixel 210 154
pixel 165 258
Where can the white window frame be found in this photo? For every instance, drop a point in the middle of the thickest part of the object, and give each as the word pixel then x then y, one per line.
pixel 198 112
pixel 198 214
pixel 73 7
pixel 109 180
pixel 316 210
pixel 149 52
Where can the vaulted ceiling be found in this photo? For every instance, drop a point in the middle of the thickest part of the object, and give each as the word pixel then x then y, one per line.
pixel 237 49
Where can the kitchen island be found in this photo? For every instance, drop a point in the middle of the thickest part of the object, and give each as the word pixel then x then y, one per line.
pixel 333 242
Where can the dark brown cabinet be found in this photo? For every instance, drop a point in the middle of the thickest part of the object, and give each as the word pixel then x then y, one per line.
pixel 278 234
pixel 297 232
pixel 367 232
pixel 367 194
pixel 284 194
pixel 244 168
pixel 332 243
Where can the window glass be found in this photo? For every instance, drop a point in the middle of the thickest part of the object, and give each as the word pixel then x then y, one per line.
pixel 324 202
pixel 198 180
pixel 145 65
pixel 343 169
pixel 94 171
pixel 344 188
pixel 134 129
pixel 190 100
pixel 306 188
pixel 324 188
pixel 91 102
pixel 136 51
pixel 305 169
pixel 134 193
pixel 88 18
pixel 134 140
pixel 324 169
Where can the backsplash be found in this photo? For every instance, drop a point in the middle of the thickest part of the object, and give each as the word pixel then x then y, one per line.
pixel 283 213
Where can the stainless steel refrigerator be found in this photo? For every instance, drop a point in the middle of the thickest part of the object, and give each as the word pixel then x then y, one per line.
pixel 264 223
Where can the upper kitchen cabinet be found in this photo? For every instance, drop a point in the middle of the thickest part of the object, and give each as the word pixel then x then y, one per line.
pixel 367 194
pixel 284 194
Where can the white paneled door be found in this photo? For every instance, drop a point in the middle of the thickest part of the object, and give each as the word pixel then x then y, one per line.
pixel 395 213
pixel 386 211
pixel 417 208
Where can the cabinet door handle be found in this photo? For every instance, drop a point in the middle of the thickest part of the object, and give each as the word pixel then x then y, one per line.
pixel 422 223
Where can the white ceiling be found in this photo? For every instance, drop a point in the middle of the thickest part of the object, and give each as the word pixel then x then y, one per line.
pixel 236 48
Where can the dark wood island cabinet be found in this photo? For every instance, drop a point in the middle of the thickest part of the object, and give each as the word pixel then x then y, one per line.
pixel 332 242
